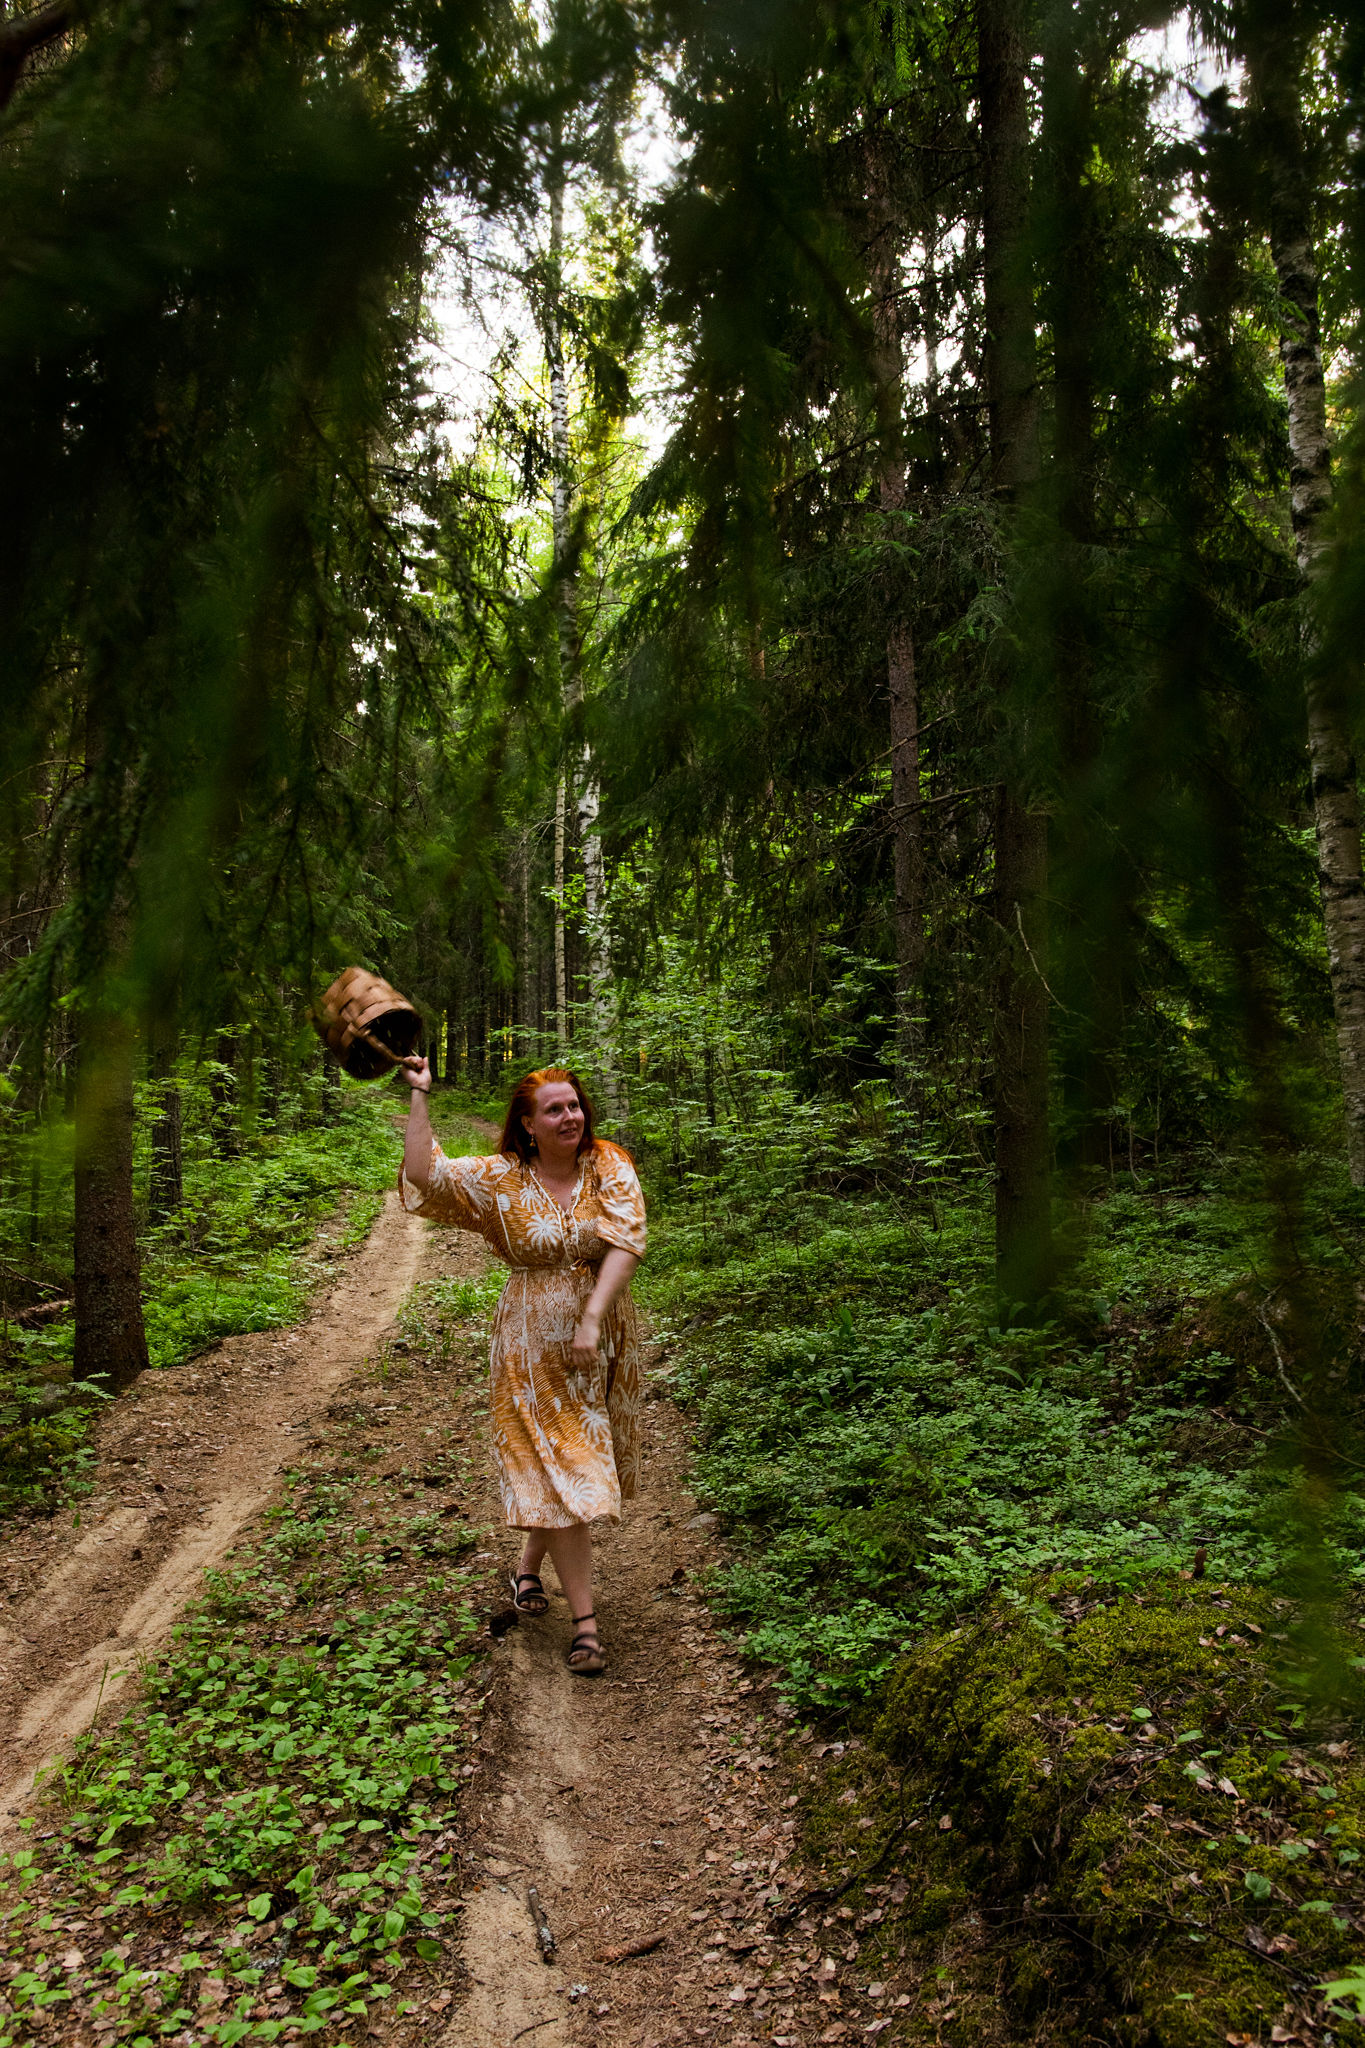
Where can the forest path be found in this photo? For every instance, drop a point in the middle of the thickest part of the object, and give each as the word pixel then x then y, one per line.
pixel 647 1807
pixel 202 1445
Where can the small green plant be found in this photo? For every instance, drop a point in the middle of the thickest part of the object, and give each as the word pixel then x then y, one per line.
pixel 1347 1989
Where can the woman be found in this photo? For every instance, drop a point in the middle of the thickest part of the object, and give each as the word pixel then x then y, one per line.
pixel 564 1209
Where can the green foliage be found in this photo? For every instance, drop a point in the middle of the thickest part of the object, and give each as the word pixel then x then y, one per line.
pixel 266 1785
pixel 882 1451
pixel 362 1721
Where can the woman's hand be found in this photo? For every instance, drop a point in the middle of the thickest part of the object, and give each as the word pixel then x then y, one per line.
pixel 613 1275
pixel 586 1338
pixel 417 1074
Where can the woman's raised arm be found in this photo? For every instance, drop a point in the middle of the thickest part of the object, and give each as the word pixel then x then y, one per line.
pixel 417 1145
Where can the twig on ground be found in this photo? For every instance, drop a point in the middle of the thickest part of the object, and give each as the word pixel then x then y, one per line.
pixel 827 1894
pixel 1280 1366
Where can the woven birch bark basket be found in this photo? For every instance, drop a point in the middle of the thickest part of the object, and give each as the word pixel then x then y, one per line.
pixel 367 1024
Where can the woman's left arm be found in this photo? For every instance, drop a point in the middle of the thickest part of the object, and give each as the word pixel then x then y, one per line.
pixel 612 1275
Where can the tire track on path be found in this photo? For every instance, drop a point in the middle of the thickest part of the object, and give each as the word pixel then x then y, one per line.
pixel 226 1421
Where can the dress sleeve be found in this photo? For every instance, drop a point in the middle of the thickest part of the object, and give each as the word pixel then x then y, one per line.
pixel 460 1193
pixel 622 1221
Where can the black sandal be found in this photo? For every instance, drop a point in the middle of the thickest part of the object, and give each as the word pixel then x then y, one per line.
pixel 594 1658
pixel 532 1604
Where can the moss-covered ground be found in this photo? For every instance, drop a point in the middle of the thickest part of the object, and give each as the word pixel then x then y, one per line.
pixel 1092 1814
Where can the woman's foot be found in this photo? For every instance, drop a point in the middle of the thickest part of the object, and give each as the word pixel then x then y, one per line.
pixel 528 1595
pixel 586 1658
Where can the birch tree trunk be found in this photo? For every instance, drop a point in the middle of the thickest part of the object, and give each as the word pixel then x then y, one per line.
pixel 579 792
pixel 1023 1194
pixel 1276 69
pixel 597 946
pixel 565 593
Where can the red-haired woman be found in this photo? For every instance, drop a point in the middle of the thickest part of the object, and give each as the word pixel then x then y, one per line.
pixel 564 1209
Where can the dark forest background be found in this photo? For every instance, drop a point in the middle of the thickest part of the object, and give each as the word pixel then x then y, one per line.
pixel 868 671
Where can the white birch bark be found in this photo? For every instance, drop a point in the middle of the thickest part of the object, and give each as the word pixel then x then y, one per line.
pixel 564 590
pixel 579 791
pixel 1335 787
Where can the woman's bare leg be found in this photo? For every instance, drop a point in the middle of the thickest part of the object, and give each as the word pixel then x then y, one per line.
pixel 571 1554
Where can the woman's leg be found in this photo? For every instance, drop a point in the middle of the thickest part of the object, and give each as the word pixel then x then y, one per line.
pixel 528 1595
pixel 571 1550
pixel 571 1553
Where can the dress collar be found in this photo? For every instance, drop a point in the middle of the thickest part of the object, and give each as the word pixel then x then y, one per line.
pixel 554 1200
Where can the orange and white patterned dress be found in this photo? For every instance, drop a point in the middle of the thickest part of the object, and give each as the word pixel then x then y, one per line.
pixel 567 1442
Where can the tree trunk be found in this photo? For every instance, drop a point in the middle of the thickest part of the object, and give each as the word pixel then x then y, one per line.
pixel 1023 1197
pixel 561 948
pixel 596 948
pixel 907 846
pixel 1276 68
pixel 477 1037
pixel 111 1340
pixel 526 969
pixel 330 1108
pixel 452 1044
pixel 1091 876
pixel 166 1192
pixel 901 681
pixel 565 591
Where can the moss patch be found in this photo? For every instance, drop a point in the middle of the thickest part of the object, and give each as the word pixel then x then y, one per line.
pixel 1096 1817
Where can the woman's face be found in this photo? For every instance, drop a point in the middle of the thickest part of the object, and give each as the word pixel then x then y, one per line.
pixel 557 1124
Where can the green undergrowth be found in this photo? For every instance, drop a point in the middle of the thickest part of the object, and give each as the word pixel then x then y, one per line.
pixel 262 1845
pixel 1094 1812
pixel 885 1455
pixel 454 1106
pixel 241 1255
